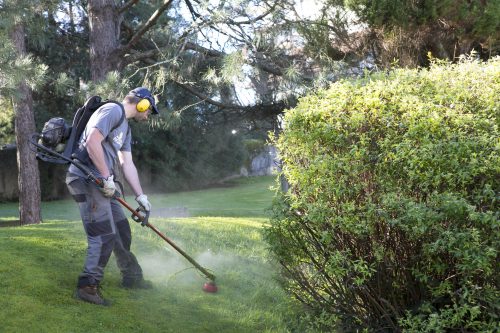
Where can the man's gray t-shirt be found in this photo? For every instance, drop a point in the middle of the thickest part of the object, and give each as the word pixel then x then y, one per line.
pixel 105 119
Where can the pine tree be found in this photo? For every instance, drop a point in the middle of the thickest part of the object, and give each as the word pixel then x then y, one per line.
pixel 18 74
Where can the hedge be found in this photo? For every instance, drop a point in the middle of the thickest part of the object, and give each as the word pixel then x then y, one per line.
pixel 391 220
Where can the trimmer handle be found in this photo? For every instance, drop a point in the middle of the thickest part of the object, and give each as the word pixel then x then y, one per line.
pixel 143 220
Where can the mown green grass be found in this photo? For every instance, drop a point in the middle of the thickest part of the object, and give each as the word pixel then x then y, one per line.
pixel 39 266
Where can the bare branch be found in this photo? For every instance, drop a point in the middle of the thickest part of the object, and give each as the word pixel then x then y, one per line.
pixel 259 61
pixel 263 64
pixel 194 13
pixel 201 49
pixel 251 111
pixel 136 56
pixel 205 98
pixel 126 6
pixel 255 19
pixel 150 22
pixel 151 65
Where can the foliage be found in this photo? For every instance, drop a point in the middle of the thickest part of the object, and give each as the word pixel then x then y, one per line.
pixel 404 31
pixel 409 29
pixel 193 154
pixel 232 64
pixel 392 218
pixel 6 123
pixel 13 68
pixel 254 146
pixel 180 149
pixel 479 15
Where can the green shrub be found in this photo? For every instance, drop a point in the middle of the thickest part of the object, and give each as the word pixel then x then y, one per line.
pixel 391 221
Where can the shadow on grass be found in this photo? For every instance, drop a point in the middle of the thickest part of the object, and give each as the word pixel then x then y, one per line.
pixel 10 223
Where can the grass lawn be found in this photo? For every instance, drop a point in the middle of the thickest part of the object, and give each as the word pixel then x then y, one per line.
pixel 39 265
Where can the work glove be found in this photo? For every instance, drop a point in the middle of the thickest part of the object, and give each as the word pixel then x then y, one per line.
pixel 108 188
pixel 143 201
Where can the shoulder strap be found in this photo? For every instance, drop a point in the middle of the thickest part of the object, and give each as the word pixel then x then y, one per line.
pixel 122 118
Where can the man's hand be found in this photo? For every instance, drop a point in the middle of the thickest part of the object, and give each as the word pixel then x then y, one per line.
pixel 108 188
pixel 144 202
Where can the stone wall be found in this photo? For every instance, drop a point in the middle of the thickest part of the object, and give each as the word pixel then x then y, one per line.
pixel 265 163
pixel 8 175
pixel 51 178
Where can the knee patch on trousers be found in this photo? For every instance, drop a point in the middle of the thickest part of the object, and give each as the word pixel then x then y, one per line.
pixel 94 229
pixel 125 235
pixel 108 242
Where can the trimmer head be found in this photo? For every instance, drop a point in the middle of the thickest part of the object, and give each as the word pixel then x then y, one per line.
pixel 210 287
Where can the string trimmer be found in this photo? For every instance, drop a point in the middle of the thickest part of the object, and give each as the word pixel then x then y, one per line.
pixel 47 154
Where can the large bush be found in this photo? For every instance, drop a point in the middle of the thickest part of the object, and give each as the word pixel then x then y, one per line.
pixel 391 221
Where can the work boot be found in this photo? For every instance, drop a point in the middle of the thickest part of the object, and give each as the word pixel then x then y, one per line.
pixel 91 294
pixel 136 284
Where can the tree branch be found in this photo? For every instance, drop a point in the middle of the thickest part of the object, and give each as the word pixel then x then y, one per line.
pixel 150 22
pixel 250 111
pixel 194 13
pixel 255 19
pixel 258 61
pixel 198 48
pixel 136 56
pixel 205 98
pixel 126 6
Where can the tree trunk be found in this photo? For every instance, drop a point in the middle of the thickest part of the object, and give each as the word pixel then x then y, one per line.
pixel 29 177
pixel 104 24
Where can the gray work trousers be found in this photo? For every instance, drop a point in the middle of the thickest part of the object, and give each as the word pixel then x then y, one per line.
pixel 107 230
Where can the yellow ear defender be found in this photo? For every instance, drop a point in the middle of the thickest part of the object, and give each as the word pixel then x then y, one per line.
pixel 143 105
pixel 146 100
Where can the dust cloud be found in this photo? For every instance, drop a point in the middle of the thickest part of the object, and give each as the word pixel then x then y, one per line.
pixel 170 267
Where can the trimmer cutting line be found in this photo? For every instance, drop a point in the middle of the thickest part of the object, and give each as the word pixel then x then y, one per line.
pixel 47 154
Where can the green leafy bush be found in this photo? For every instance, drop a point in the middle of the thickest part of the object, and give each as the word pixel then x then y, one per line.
pixel 391 221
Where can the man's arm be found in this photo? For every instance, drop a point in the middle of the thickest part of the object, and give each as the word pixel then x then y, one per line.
pixel 130 172
pixel 96 152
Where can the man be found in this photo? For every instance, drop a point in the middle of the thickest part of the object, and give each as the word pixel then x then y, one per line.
pixel 105 141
